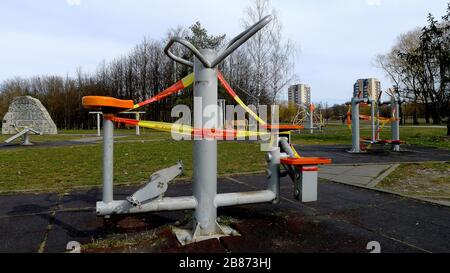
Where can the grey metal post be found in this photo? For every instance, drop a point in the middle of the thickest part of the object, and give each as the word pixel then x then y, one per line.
pixel 108 162
pixel 378 123
pixel 222 113
pixel 311 120
pixel 395 124
pixel 372 113
pixel 273 173
pixel 138 129
pixel 26 140
pixel 205 150
pixel 355 126
pixel 98 125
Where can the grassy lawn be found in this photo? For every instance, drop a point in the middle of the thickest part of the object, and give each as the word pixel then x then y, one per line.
pixel 66 135
pixel 340 134
pixel 65 167
pixel 62 168
pixel 41 139
pixel 426 180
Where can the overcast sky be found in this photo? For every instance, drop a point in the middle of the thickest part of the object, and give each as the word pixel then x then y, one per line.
pixel 337 39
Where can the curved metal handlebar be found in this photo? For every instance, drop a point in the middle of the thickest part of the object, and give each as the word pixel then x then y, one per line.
pixel 189 46
pixel 232 46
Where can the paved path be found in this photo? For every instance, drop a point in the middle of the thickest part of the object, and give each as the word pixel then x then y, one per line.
pixel 344 219
pixel 366 175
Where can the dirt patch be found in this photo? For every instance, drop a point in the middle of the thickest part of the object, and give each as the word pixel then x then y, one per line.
pixel 152 241
pixel 426 180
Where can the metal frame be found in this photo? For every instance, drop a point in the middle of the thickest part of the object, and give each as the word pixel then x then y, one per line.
pixel 24 134
pixel 395 124
pixel 137 117
pixel 205 199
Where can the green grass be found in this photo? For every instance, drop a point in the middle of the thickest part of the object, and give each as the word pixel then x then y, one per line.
pixel 340 134
pixel 41 139
pixel 420 179
pixel 67 167
pixel 62 168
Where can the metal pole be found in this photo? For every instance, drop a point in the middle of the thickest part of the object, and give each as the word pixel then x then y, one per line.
pixel 98 124
pixel 311 120
pixel 378 123
pixel 372 113
pixel 273 173
pixel 395 124
pixel 138 129
pixel 108 163
pixel 222 113
pixel 26 140
pixel 355 126
pixel 205 150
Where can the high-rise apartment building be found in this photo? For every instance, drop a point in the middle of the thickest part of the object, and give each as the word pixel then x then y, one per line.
pixel 367 88
pixel 300 94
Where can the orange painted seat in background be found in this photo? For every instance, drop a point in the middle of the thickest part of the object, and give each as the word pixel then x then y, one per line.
pixel 283 127
pixel 305 161
pixel 99 102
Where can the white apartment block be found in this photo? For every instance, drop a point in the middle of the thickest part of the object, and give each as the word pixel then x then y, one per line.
pixel 300 94
pixel 367 88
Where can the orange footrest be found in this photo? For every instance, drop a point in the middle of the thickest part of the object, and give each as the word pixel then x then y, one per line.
pixel 305 161
pixel 99 102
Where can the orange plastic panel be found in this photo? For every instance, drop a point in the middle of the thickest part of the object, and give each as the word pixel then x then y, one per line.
pixel 284 127
pixel 96 102
pixel 305 161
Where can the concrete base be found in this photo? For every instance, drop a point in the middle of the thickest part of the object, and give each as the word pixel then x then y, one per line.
pixel 185 236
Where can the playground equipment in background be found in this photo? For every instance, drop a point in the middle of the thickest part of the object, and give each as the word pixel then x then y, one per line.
pixel 23 132
pixel 360 145
pixel 304 114
pixel 136 114
pixel 205 200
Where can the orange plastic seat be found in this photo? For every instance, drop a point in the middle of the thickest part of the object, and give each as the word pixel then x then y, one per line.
pixel 287 127
pixel 306 161
pixel 107 104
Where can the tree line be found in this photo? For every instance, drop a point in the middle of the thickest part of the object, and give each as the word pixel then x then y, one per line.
pixel 258 71
pixel 419 66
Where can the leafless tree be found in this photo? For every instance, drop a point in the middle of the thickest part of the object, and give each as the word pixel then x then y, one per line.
pixel 271 56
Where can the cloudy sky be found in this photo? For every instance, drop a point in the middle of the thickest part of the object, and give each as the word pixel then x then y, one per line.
pixel 337 39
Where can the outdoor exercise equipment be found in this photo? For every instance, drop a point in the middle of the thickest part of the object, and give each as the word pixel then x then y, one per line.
pixel 23 132
pixel 205 200
pixel 304 114
pixel 377 122
pixel 137 115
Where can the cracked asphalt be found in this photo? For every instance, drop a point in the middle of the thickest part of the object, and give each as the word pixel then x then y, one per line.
pixel 345 219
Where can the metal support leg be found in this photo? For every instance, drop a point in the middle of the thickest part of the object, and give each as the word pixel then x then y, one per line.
pixel 372 113
pixel 356 148
pixel 98 125
pixel 311 120
pixel 205 151
pixel 395 125
pixel 26 140
pixel 138 129
pixel 273 173
pixel 308 178
pixel 108 162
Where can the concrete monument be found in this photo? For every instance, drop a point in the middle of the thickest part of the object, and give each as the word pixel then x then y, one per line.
pixel 28 112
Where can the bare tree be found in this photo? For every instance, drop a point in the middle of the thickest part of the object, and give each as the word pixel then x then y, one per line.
pixel 271 57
